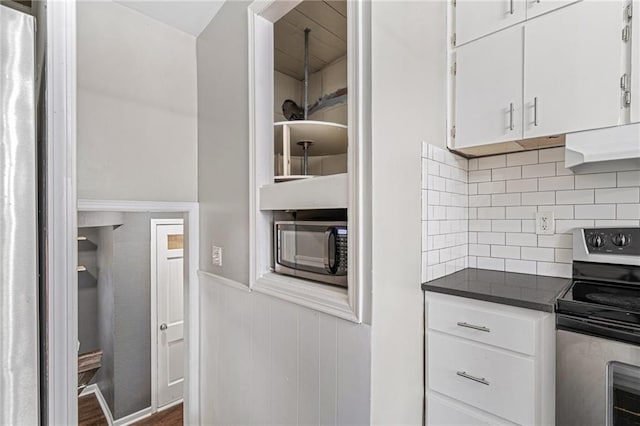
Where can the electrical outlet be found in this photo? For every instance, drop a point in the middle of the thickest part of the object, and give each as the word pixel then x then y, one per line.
pixel 545 223
pixel 216 255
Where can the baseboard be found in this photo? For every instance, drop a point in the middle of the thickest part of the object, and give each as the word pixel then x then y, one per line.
pixel 93 388
pixel 134 417
pixel 171 404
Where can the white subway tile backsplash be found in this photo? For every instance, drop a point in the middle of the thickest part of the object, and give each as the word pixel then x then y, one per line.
pixel 491 187
pixel 522 185
pixel 520 266
pixel 556 241
pixel 582 196
pixel 618 195
pixel 537 253
pixel 567 226
pixel 527 212
pixel 490 263
pixel 561 170
pixel 555 183
pixel 522 158
pixel 479 225
pixel 528 226
pixel 539 170
pixel 505 199
pixel 506 173
pixel 481 212
pixel 554 269
pixel 491 238
pixel 551 155
pixel 596 180
pixel 564 255
pixel 493 162
pixel 559 212
pixel 629 179
pixel 521 239
pixel 506 226
pixel 628 211
pixel 479 250
pixel 538 198
pixel 505 252
pixel 595 211
pixel 491 213
pixel 479 176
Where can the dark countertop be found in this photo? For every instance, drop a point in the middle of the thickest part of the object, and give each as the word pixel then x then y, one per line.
pixel 508 288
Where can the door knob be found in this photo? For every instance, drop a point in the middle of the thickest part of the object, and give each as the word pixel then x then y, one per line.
pixel 163 326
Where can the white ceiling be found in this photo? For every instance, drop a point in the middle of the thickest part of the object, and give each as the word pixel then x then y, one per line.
pixel 327 20
pixel 189 16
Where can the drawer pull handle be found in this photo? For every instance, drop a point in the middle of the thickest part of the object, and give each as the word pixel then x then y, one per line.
pixel 470 377
pixel 475 327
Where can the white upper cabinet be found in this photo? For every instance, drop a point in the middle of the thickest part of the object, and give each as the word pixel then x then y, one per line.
pixel 573 65
pixel 488 96
pixel 635 64
pixel 476 18
pixel 538 7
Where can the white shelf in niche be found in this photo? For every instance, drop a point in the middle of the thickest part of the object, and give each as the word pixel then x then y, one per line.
pixel 320 192
pixel 328 138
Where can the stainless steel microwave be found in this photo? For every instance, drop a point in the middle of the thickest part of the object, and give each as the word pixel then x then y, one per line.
pixel 311 250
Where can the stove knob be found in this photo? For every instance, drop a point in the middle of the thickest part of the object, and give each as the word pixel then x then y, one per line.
pixel 596 241
pixel 621 240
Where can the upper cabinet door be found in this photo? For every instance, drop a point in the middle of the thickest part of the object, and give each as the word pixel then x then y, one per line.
pixel 488 90
pixel 573 64
pixel 477 18
pixel 538 7
pixel 635 64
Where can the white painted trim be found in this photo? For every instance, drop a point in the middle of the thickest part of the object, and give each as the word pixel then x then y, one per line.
pixel 134 417
pixel 62 331
pixel 261 15
pixel 154 305
pixel 192 286
pixel 224 281
pixel 95 389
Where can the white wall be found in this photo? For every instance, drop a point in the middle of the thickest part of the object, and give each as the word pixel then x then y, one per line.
pixel 264 361
pixel 408 93
pixel 137 106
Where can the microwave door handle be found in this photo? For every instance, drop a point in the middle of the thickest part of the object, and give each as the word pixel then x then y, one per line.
pixel 327 261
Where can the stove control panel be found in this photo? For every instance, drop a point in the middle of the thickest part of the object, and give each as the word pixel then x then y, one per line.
pixel 623 241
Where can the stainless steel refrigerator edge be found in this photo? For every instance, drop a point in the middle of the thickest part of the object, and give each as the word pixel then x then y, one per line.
pixel 18 222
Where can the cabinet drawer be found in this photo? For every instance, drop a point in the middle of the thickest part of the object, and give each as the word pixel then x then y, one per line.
pixel 488 379
pixel 503 326
pixel 441 412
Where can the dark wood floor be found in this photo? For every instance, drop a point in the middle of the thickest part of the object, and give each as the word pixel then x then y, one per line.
pixel 90 414
pixel 89 411
pixel 170 417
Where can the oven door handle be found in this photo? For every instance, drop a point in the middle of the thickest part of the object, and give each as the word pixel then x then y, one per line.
pixel 599 328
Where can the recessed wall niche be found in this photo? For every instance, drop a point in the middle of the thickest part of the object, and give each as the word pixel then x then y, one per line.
pixel 310 91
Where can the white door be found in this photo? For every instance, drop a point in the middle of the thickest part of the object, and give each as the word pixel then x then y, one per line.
pixel 573 65
pixel 635 64
pixel 476 18
pixel 170 318
pixel 488 89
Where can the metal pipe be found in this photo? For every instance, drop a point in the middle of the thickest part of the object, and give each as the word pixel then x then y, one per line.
pixel 306 72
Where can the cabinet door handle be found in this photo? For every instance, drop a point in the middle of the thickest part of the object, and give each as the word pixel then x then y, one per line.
pixel 511 9
pixel 475 327
pixel 511 116
pixel 474 378
pixel 535 111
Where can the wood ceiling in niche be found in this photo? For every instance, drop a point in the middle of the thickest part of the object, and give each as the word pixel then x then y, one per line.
pixel 327 41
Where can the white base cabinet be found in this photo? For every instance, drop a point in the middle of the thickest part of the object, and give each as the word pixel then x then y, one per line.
pixel 488 363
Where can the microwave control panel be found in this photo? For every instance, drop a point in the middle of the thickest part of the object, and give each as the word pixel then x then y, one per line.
pixel 341 243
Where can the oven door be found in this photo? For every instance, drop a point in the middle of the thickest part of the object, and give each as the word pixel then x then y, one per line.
pixel 596 381
pixel 306 247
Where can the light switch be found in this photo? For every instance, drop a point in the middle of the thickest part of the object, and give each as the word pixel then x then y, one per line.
pixel 216 255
